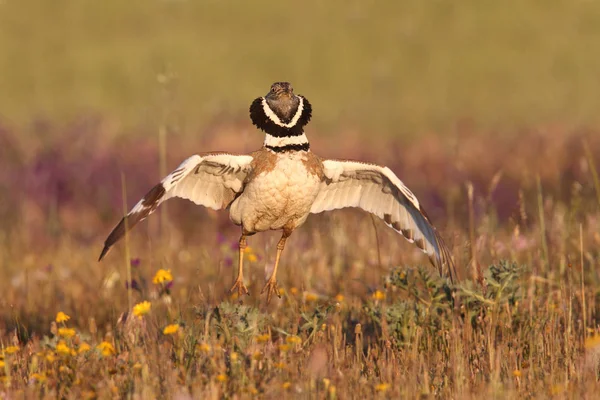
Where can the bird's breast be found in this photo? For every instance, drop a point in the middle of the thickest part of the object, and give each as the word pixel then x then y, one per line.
pixel 278 196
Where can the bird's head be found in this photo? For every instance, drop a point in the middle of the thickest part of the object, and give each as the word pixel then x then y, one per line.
pixel 281 112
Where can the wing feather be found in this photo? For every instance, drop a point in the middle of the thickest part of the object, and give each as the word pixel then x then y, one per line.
pixel 212 180
pixel 378 190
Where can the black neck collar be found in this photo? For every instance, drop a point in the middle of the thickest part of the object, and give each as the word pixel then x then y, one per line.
pixel 289 147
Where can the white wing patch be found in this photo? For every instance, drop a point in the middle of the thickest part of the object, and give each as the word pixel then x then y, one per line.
pixel 212 181
pixel 378 190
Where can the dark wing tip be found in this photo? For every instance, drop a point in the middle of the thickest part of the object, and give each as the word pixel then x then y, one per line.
pixel 147 205
pixel 117 233
pixel 444 262
pixel 103 253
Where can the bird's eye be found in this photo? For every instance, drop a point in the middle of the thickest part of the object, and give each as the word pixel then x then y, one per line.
pixel 272 90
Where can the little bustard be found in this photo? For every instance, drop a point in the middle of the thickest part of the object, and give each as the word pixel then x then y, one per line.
pixel 279 185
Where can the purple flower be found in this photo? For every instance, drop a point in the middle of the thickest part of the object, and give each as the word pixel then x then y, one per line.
pixel 221 239
pixel 134 285
pixel 135 262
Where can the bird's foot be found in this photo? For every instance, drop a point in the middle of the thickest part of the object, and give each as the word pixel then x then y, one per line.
pixel 270 288
pixel 240 287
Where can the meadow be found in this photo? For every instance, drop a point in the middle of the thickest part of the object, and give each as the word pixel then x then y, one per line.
pixel 487 112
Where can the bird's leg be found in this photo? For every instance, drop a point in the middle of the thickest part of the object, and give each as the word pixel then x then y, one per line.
pixel 271 285
pixel 239 282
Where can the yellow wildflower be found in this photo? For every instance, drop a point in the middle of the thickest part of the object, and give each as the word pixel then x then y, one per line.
pixel 137 366
pixel 517 373
pixel 2 364
pixel 279 365
pixel 89 395
pixel 66 332
pixel 221 378
pixel 293 340
pixel 62 317
pixel 310 297
pixel 378 295
pixel 326 382
pixel 382 387
pixel 249 251
pixel 106 348
pixel 556 389
pixel 204 347
pixel 171 329
pixel 257 355
pixel 592 342
pixel 323 327
pixel 284 347
pixel 253 390
pixel 162 276
pixel 233 356
pixel 332 392
pixel 83 348
pixel 62 348
pixel 286 385
pixel 263 338
pixel 50 357
pixel 141 309
pixel 339 298
pixel 11 349
pixel 294 290
pixel 41 378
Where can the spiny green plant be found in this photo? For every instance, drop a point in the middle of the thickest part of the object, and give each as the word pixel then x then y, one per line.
pixel 238 323
pixel 502 286
pixel 428 301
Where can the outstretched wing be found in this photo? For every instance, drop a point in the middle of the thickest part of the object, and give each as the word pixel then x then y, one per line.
pixel 378 190
pixel 212 180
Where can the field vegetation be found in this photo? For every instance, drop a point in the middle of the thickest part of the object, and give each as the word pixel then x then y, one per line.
pixel 487 111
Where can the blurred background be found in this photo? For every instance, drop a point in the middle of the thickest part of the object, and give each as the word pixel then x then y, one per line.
pixel 487 110
pixel 448 94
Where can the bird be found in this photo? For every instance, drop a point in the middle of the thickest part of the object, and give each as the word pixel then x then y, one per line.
pixel 278 186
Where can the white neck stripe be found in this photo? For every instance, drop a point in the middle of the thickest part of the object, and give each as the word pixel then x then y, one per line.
pixel 273 117
pixel 273 141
